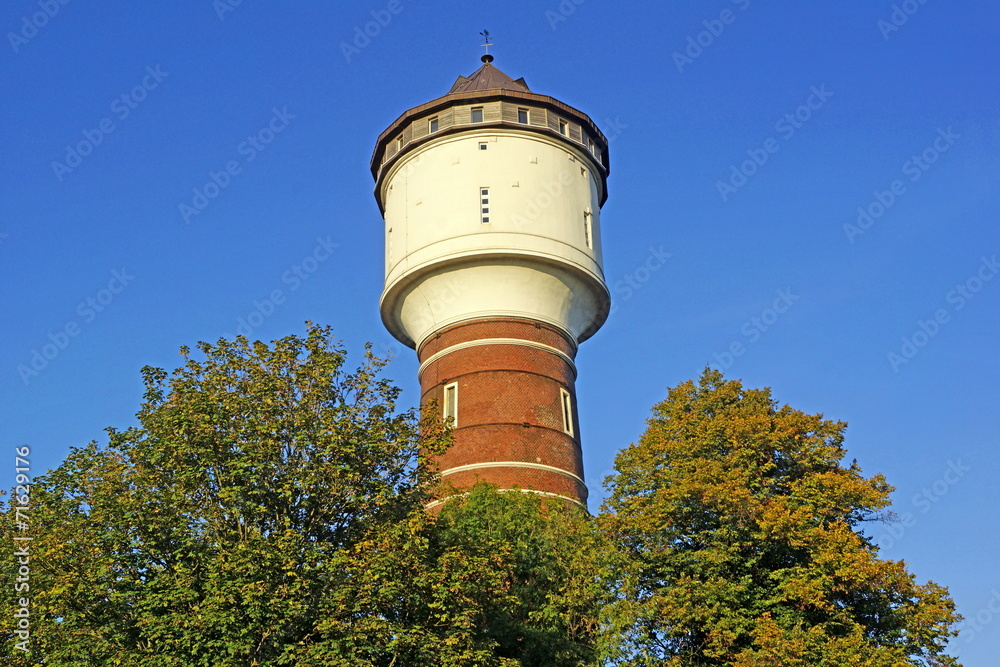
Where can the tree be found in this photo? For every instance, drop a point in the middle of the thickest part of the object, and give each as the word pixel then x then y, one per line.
pixel 559 577
pixel 269 510
pixel 497 578
pixel 744 534
pixel 220 529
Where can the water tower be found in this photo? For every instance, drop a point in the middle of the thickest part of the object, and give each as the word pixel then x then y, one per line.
pixel 492 200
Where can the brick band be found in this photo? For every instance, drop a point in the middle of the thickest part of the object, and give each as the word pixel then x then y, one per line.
pixel 497 341
pixel 512 394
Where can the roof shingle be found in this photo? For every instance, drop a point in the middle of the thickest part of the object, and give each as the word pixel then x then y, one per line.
pixel 488 77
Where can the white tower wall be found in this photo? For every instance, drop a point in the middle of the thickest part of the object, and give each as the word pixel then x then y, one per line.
pixel 538 257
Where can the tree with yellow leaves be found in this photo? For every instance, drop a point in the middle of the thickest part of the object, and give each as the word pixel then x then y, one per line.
pixel 744 532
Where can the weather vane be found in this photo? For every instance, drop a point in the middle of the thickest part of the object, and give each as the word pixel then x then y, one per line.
pixel 486 38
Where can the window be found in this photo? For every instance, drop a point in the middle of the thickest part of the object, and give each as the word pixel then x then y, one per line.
pixel 522 116
pixel 399 144
pixel 563 128
pixel 588 229
pixel 484 204
pixel 432 125
pixel 450 411
pixel 477 114
pixel 567 410
pixel 483 145
pixel 590 144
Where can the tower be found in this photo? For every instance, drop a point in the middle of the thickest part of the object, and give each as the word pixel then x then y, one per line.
pixel 491 197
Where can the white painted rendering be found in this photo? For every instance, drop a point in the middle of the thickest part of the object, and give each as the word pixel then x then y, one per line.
pixel 545 494
pixel 511 464
pixel 532 259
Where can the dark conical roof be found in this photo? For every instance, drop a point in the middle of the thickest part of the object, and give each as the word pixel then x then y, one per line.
pixel 488 77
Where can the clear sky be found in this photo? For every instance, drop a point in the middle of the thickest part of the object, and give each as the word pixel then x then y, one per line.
pixel 746 135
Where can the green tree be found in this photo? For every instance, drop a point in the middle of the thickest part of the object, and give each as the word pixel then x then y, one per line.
pixel 269 510
pixel 222 528
pixel 744 534
pixel 498 578
pixel 558 582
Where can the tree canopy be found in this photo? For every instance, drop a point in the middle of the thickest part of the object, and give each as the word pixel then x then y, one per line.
pixel 268 509
pixel 744 531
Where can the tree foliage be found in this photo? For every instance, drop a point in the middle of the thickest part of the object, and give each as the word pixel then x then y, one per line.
pixel 558 584
pixel 268 510
pixel 744 534
pixel 497 579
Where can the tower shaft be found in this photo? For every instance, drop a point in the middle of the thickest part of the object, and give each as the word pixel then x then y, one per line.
pixel 509 386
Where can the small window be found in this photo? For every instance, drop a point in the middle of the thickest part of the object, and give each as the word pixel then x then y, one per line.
pixel 477 114
pixel 588 229
pixel 432 125
pixel 450 411
pixel 563 128
pixel 484 204
pixel 483 145
pixel 567 410
pixel 522 116
pixel 399 144
pixel 590 144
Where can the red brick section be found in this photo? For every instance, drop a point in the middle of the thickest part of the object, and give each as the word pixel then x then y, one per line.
pixel 509 405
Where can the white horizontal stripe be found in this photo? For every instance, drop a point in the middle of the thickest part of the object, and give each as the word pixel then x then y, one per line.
pixel 431 505
pixel 497 341
pixel 510 464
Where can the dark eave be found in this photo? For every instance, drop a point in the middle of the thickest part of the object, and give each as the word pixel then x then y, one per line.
pixel 473 97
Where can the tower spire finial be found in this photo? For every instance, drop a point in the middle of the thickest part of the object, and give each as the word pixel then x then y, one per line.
pixel 487 43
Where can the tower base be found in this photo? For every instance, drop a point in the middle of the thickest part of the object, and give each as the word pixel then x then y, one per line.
pixel 509 384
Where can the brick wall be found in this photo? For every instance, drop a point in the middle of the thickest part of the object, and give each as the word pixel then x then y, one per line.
pixel 509 405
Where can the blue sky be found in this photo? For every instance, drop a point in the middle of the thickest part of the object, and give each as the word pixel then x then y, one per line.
pixel 746 136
